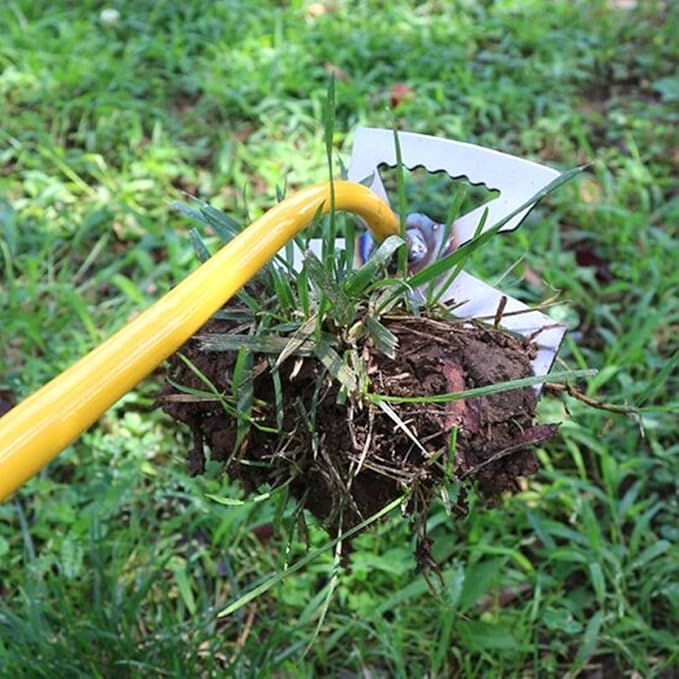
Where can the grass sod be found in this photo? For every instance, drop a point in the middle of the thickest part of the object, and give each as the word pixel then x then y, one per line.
pixel 102 126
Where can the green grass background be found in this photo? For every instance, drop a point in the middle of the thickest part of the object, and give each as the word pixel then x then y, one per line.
pixel 112 561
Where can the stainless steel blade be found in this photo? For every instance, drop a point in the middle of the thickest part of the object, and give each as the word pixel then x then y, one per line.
pixel 516 179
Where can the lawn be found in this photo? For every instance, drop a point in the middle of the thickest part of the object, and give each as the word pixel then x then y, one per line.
pixel 113 561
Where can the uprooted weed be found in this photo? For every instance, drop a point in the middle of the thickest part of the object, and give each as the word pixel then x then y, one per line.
pixel 350 454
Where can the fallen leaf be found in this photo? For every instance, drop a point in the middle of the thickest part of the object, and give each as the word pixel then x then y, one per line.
pixel 263 532
pixel 585 256
pixel 532 277
pixel 505 597
pixel 7 401
pixel 399 93
pixel 316 9
pixel 337 71
pixel 589 190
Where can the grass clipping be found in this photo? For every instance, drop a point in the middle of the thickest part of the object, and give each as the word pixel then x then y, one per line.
pixel 313 420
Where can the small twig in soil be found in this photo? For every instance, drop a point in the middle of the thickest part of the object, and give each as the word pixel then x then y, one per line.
pixel 428 336
pixel 547 304
pixel 594 403
pixel 533 335
pixel 350 426
pixel 385 469
pixel 343 492
pixel 535 435
pixel 505 597
pixel 368 438
pixel 247 628
pixel 408 321
pixel 493 458
pixel 500 310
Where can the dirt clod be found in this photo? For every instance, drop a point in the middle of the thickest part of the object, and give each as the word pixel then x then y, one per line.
pixel 353 458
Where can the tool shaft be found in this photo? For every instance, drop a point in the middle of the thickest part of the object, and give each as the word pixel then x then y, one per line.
pixel 39 428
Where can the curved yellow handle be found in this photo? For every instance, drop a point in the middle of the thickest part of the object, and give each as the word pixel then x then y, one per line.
pixel 40 427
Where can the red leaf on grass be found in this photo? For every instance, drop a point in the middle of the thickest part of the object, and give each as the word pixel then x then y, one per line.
pixel 585 256
pixel 7 401
pixel 399 93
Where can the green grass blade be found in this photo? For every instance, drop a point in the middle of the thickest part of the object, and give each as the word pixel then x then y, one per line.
pixel 659 381
pixel 342 310
pixel 329 132
pixel 237 315
pixel 311 556
pixel 439 267
pixel 359 280
pixel 452 215
pixel 189 212
pixel 302 286
pixel 454 209
pixel 459 266
pixel 242 390
pixel 334 364
pixel 223 225
pixel 283 290
pixel 300 338
pixel 260 344
pixel 402 207
pixel 199 246
pixel 385 341
pixel 484 391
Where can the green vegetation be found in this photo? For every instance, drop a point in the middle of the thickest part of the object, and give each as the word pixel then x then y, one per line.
pixel 113 561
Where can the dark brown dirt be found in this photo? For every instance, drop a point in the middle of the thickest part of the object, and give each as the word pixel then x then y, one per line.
pixel 7 401
pixel 353 458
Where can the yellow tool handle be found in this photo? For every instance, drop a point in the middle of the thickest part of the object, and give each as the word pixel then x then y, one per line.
pixel 40 427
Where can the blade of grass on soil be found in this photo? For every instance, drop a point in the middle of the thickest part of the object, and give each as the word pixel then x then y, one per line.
pixel 483 391
pixel 359 280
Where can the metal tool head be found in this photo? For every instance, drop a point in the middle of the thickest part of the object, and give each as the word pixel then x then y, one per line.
pixel 516 179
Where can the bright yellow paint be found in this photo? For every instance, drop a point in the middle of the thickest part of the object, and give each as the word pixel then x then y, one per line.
pixel 40 427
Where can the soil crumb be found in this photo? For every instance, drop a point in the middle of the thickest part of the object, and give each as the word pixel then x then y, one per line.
pixel 354 458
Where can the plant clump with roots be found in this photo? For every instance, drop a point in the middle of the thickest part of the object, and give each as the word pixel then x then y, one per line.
pixel 349 392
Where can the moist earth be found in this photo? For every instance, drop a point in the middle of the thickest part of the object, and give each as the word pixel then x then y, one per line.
pixel 351 459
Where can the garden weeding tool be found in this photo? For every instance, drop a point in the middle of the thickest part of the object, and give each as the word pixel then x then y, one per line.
pixel 40 427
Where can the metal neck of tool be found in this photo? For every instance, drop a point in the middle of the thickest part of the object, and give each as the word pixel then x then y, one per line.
pixel 39 428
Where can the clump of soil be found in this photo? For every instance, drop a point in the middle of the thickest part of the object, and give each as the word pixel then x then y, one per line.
pixel 353 457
